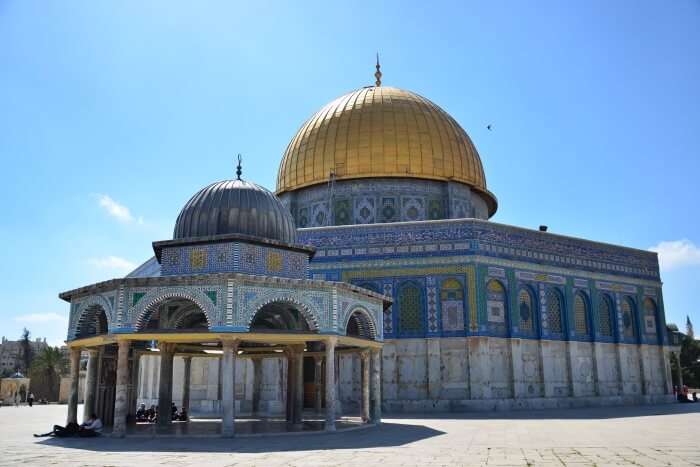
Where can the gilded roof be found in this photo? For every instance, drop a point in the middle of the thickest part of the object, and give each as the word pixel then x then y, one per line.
pixel 381 131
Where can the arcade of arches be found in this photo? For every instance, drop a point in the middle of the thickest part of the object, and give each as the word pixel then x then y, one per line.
pixel 178 328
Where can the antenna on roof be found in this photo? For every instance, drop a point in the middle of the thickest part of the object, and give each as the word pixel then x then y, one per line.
pixel 239 167
pixel 378 73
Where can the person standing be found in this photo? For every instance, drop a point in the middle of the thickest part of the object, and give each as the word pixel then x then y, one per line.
pixel 30 399
pixel 18 399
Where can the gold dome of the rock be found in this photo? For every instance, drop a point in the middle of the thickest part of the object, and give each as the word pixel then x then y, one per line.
pixel 381 131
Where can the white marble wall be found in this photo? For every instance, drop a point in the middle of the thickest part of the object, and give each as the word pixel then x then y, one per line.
pixel 451 374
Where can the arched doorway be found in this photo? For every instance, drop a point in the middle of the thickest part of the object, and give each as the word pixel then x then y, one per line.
pixel 279 316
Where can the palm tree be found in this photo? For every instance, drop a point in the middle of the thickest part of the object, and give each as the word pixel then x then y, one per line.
pixel 49 364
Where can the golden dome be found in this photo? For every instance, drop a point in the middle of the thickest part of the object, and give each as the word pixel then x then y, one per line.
pixel 381 131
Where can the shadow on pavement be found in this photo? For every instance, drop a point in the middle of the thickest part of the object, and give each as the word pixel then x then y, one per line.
pixel 385 435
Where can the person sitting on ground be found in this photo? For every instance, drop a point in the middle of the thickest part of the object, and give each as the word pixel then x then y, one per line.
pixel 183 415
pixel 71 429
pixel 151 413
pixel 154 419
pixel 695 397
pixel 90 428
pixel 141 414
pixel 173 410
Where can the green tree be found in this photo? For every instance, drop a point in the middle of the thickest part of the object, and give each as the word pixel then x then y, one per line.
pixel 46 372
pixel 690 361
pixel 27 351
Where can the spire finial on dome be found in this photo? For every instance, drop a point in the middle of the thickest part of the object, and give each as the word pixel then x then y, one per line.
pixel 378 73
pixel 239 167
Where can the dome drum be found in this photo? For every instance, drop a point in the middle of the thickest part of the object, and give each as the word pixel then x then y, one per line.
pixel 382 200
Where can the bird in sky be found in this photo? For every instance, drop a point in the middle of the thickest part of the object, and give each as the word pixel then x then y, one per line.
pixel 488 127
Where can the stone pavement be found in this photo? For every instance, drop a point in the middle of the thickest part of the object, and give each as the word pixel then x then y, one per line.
pixel 646 436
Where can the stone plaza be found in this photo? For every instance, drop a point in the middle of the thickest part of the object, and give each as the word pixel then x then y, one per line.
pixel 645 435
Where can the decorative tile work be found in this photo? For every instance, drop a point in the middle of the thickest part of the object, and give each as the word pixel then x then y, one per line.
pixel 431 296
pixel 471 294
pixel 320 214
pixel 79 308
pixel 349 305
pixel 364 210
pixel 342 211
pixel 389 315
pixel 624 288
pixel 489 239
pixel 234 257
pixel 452 305
pixel 153 296
pixel 495 302
pixel 310 303
pixel 412 208
pixel 390 210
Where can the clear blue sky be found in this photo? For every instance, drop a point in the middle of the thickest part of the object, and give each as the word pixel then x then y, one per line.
pixel 114 113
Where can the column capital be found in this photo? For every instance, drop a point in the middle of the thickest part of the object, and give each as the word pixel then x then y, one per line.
pixel 93 352
pixel 75 352
pixel 331 340
pixel 124 344
pixel 164 347
pixel 230 343
pixel 364 354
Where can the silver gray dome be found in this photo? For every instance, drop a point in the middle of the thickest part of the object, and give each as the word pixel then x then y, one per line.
pixel 235 207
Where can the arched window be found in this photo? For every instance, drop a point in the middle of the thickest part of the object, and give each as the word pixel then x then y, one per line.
pixel 581 314
pixel 554 307
pixel 410 309
pixel 496 302
pixel 649 316
pixel 452 305
pixel 525 311
pixel 605 321
pixel 629 328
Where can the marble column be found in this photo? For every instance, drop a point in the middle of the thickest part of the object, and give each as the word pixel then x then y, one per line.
pixel 364 362
pixel 186 385
pixel 289 406
pixel 228 395
pixel 257 385
pixel 330 383
pixel 121 399
pixel 298 386
pixel 91 383
pixel 376 388
pixel 165 386
pixel 75 380
pixel 318 380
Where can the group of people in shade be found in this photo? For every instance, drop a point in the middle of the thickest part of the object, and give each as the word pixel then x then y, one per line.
pixel 682 394
pixel 93 426
pixel 150 415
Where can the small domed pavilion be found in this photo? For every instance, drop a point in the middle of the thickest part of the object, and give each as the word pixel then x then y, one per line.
pixel 232 284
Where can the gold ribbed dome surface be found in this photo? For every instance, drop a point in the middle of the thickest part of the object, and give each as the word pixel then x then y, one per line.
pixel 381 131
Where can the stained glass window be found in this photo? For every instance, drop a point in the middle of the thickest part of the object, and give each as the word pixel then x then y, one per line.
pixel 525 310
pixel 411 307
pixel 628 324
pixel 649 316
pixel 605 316
pixel 581 314
pixel 554 307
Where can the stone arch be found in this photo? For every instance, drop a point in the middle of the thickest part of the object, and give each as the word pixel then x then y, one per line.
pixel 582 314
pixel 307 311
pixel 365 323
pixel 86 315
pixel 528 322
pixel 628 308
pixel 555 310
pixel 143 312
